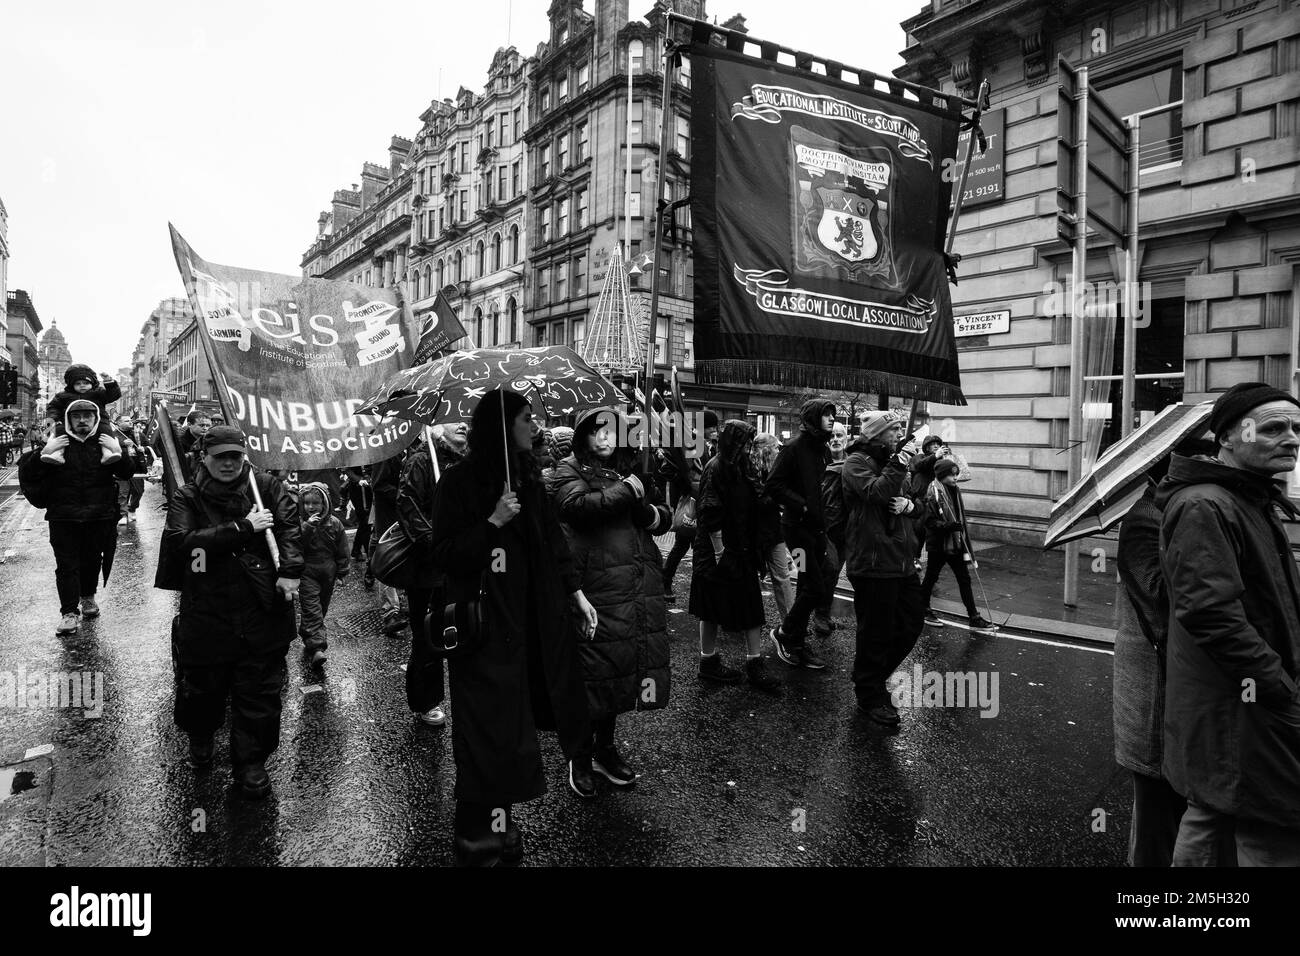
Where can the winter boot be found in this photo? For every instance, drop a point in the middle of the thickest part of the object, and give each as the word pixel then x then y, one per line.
pixel 712 669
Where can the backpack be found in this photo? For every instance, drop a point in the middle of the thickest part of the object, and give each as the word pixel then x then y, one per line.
pixel 34 489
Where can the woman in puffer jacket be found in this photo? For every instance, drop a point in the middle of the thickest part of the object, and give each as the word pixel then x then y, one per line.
pixel 609 514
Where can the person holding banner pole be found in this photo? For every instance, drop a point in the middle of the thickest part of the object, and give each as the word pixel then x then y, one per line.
pixel 238 566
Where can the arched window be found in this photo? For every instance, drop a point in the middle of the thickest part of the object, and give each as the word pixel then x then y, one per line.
pixel 514 244
pixel 480 264
pixel 478 328
pixel 512 318
pixel 428 282
pixel 496 326
pixel 416 283
pixel 496 251
pixel 458 267
pixel 442 275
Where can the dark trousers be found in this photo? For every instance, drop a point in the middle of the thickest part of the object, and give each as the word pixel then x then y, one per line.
pixel 814 587
pixel 603 734
pixel 890 615
pixel 79 549
pixel 129 493
pixel 252 683
pixel 936 560
pixel 681 544
pixel 1157 812
pixel 357 496
pixel 424 681
pixel 835 555
pixel 314 595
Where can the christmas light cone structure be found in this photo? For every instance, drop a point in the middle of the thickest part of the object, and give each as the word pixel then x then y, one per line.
pixel 614 341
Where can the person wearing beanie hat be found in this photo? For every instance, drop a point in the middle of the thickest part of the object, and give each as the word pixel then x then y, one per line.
pixel 947 543
pixel 236 618
pixel 881 538
pixel 81 383
pixel 79 494
pixel 1232 708
pixel 796 485
pixel 562 441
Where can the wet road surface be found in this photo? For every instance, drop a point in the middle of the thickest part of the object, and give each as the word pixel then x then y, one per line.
pixel 728 776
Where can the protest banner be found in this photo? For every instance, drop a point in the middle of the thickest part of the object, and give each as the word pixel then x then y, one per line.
pixel 295 358
pixel 819 209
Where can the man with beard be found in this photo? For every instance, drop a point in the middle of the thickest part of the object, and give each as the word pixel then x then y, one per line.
pixel 80 497
pixel 236 616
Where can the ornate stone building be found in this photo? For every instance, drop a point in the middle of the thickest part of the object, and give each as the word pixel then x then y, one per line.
pixel 469 234
pixel 1219 209
pixel 188 370
pixel 23 327
pixel 55 359
pixel 5 359
pixel 149 360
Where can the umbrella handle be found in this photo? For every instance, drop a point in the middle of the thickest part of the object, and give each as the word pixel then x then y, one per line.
pixel 505 437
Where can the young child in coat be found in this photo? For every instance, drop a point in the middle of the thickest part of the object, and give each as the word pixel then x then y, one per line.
pixel 325 552
pixel 947 542
pixel 81 382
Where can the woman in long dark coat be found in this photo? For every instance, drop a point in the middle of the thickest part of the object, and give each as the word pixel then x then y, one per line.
pixel 609 518
pixel 726 559
pixel 506 542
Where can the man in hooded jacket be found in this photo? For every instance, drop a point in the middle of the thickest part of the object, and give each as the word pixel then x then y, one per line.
pixel 81 508
pixel 1232 708
pixel 796 484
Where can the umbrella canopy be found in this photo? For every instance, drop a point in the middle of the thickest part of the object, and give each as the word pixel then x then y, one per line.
pixel 448 389
pixel 1117 480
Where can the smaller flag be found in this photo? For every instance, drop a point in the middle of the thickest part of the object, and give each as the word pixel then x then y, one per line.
pixel 438 330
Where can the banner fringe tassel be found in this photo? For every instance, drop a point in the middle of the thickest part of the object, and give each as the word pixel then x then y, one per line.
pixel 829 378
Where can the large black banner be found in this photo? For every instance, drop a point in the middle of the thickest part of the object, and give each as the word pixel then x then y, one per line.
pixel 819 210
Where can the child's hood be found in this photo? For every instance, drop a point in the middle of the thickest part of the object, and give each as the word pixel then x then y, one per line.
pixel 78 371
pixel 316 488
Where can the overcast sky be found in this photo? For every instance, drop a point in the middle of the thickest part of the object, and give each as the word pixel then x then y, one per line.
pixel 237 120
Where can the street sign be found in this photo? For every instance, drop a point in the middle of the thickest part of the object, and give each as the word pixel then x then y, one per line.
pixel 985 182
pixel 982 323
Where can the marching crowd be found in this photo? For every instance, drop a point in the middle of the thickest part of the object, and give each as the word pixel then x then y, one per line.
pixel 536 592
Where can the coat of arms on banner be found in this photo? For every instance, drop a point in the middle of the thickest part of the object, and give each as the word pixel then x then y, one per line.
pixel 842 199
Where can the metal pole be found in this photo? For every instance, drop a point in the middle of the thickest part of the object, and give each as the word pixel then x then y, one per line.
pixel 1077 318
pixel 666 107
pixel 1129 396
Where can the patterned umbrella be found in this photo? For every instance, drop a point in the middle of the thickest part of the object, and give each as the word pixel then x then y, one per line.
pixel 448 389
pixel 1118 479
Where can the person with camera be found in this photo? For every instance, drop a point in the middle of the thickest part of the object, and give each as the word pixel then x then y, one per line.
pixel 498 543
pixel 882 550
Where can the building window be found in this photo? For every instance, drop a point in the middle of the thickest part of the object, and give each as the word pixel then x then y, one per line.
pixel 518 123
pixel 543 286
pixel 543 163
pixel 579 276
pixel 561 282
pixel 458 269
pixel 562 89
pixel 480 261
pixel 584 77
pixel 661 339
pixel 583 144
pixel 464 157
pixel 496 328
pixel 478 327
pixel 501 183
pixel 514 244
pixel 539 336
pixel 579 332
pixel 512 318
pixel 503 127
pixel 684 74
pixel 557 333
pixel 544 103
pixel 562 152
pixel 580 209
pixel 1162 133
pixel 683 137
pixel 636 121
pixel 544 233
pixel 496 251
pixel 442 275
pixel 464 205
pixel 561 36
pixel 562 217
pixel 514 178
pixel 636 56
pixel 688 343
